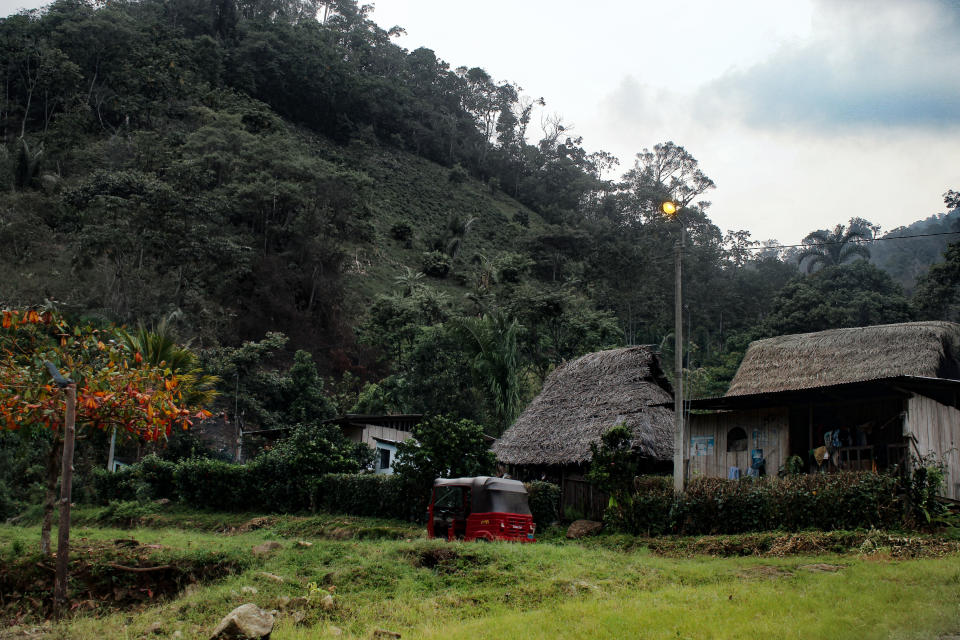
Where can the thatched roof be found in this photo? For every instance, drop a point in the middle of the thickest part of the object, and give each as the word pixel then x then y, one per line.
pixel 810 360
pixel 582 399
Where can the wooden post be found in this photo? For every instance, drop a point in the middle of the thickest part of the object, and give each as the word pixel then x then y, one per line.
pixel 66 488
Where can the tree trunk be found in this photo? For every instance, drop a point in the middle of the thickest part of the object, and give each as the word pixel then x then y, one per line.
pixel 66 491
pixel 50 497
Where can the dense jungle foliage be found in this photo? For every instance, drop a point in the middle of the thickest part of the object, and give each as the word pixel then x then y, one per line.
pixel 275 177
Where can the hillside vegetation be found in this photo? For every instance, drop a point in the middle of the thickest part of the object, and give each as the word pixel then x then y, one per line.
pixel 242 168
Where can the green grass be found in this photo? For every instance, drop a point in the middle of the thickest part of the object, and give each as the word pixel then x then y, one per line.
pixel 432 589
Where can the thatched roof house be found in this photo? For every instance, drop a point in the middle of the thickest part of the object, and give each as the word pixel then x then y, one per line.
pixel 865 398
pixel 582 399
pixel 839 356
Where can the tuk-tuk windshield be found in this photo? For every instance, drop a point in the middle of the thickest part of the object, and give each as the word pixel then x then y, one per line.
pixel 505 502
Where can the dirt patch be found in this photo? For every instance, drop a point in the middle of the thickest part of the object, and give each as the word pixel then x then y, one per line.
pixel 821 567
pixel 446 559
pixel 119 575
pixel 765 571
pixel 254 524
pixel 340 533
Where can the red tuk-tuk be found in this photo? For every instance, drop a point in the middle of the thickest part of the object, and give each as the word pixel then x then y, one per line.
pixel 481 508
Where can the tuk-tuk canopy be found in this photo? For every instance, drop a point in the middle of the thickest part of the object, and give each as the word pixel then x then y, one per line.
pixel 488 494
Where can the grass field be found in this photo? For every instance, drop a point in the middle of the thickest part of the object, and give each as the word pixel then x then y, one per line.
pixel 385 575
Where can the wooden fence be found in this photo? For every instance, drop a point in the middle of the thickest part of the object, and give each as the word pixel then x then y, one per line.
pixel 581 497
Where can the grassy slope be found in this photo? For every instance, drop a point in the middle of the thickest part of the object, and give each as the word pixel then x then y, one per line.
pixel 553 590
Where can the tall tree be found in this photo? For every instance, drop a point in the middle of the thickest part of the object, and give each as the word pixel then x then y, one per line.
pixel 668 172
pixel 845 295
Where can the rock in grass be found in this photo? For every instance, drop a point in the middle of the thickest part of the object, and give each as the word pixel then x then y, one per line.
pixel 303 544
pixel 271 576
pixel 326 602
pixel 266 547
pixel 583 528
pixel 248 621
pixel 383 633
pixel 156 627
pixel 298 617
pixel 249 590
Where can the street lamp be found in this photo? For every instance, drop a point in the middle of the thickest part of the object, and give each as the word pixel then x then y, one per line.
pixel 672 209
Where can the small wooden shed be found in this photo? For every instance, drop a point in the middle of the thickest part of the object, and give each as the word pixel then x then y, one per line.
pixel 861 398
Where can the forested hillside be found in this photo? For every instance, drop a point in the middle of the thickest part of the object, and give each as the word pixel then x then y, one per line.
pixel 428 234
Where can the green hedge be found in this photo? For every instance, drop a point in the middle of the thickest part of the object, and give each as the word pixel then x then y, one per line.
pixel 150 479
pixel 709 506
pixel 261 486
pixel 376 495
pixel 213 484
pixel 544 502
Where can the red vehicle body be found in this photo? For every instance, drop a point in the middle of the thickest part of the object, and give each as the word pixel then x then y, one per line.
pixel 481 508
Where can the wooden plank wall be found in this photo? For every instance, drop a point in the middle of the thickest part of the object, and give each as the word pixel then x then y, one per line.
pixel 767 429
pixel 583 497
pixel 937 429
pixel 373 431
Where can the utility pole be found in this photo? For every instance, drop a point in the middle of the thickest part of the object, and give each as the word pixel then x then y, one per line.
pixel 678 436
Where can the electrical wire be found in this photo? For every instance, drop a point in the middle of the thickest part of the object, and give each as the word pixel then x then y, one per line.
pixel 824 244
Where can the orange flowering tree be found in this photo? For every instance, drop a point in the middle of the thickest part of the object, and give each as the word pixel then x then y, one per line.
pixel 116 388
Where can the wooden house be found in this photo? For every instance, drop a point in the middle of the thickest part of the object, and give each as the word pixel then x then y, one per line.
pixel 382 433
pixel 861 398
pixel 580 401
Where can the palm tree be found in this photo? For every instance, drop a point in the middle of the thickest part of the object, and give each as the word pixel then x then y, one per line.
pixel 830 248
pixel 409 281
pixel 159 348
pixel 491 341
pixel 456 233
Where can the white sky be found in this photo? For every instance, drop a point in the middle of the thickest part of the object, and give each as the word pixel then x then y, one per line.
pixel 804 112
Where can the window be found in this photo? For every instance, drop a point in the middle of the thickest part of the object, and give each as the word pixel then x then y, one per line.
pixel 736 439
pixel 449 498
pixel 384 458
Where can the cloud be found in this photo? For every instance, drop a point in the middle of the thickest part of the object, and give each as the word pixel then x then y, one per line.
pixel 866 64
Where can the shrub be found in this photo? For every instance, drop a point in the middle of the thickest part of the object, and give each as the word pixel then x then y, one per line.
pixel 923 487
pixel 544 502
pixel 379 495
pixel 511 267
pixel 126 514
pixel 436 264
pixel 283 474
pixel 441 447
pixel 651 508
pixel 8 505
pixel 401 231
pixel 713 506
pixel 150 479
pixel 212 484
pixel 457 174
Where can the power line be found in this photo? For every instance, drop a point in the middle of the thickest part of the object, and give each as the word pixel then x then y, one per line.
pixel 824 244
